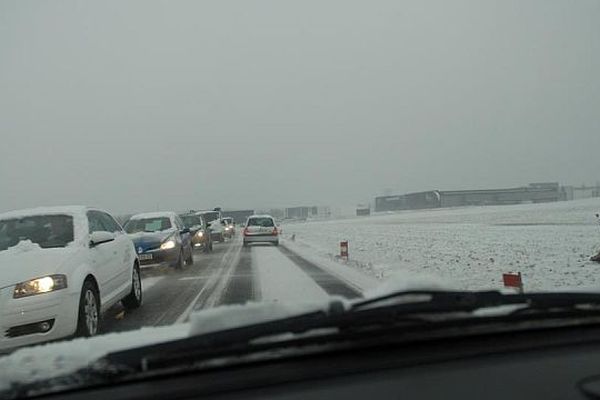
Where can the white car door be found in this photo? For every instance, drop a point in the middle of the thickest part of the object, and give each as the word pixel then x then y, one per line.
pixel 102 258
pixel 125 254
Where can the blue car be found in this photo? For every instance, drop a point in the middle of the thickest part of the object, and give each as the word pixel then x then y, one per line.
pixel 160 239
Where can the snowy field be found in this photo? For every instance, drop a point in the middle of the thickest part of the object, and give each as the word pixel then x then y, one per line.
pixel 550 244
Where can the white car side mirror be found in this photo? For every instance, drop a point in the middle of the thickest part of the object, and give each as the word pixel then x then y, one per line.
pixel 97 238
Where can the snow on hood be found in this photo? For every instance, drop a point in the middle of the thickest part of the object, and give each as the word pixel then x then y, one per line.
pixel 31 364
pixel 405 281
pixel 151 236
pixel 238 315
pixel 27 260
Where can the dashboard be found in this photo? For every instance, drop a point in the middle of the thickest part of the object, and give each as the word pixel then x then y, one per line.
pixel 551 364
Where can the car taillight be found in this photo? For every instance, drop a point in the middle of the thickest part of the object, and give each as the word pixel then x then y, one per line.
pixel 275 233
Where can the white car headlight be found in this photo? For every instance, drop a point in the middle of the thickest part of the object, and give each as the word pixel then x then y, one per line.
pixel 45 284
pixel 200 234
pixel 169 244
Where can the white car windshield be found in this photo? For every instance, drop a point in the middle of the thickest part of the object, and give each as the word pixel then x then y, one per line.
pixel 47 231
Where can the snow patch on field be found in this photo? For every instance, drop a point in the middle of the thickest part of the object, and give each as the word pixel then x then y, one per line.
pixel 549 243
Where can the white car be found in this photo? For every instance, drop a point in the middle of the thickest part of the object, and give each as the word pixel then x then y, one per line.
pixel 261 228
pixel 60 269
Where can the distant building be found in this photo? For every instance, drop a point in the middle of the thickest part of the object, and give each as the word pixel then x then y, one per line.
pixel 363 210
pixel 585 192
pixel 567 193
pixel 239 216
pixel 277 213
pixel 533 193
pixel 411 201
pixel 305 212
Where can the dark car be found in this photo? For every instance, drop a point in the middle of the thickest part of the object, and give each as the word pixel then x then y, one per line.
pixel 214 220
pixel 229 226
pixel 160 238
pixel 199 231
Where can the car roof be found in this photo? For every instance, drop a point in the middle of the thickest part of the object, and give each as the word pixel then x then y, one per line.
pixel 190 214
pixel 156 214
pixel 261 216
pixel 67 210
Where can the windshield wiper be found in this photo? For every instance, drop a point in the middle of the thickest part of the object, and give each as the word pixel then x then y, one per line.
pixel 407 307
pixel 441 301
pixel 401 312
pixel 207 344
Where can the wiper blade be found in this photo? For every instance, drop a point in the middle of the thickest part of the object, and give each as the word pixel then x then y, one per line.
pixel 440 301
pixel 145 357
pixel 408 307
pixel 407 311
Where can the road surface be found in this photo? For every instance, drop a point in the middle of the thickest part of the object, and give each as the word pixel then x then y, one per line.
pixel 231 274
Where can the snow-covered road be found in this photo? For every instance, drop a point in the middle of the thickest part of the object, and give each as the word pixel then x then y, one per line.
pixel 233 275
pixel 279 279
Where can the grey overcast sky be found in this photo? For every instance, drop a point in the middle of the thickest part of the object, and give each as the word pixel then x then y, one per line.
pixel 134 105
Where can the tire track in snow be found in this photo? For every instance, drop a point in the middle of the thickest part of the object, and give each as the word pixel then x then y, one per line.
pixel 240 288
pixel 329 283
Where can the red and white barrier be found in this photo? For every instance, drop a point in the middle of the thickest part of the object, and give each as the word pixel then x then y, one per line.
pixel 344 250
pixel 513 280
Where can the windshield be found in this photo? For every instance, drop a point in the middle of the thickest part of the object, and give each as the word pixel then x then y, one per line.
pixel 265 222
pixel 204 157
pixel 211 216
pixel 47 231
pixel 191 220
pixel 148 225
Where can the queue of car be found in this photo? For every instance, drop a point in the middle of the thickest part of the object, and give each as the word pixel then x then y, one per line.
pixel 69 265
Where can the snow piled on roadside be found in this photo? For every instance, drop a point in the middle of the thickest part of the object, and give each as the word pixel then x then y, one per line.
pixel 51 360
pixel 401 281
pixel 353 277
pixel 550 244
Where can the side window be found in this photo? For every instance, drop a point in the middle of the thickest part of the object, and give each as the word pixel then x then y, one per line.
pixel 110 223
pixel 96 223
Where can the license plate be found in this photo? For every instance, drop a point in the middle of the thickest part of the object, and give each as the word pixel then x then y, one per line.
pixel 144 257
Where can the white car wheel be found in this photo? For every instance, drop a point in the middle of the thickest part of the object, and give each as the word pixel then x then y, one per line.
pixel 134 298
pixel 89 311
